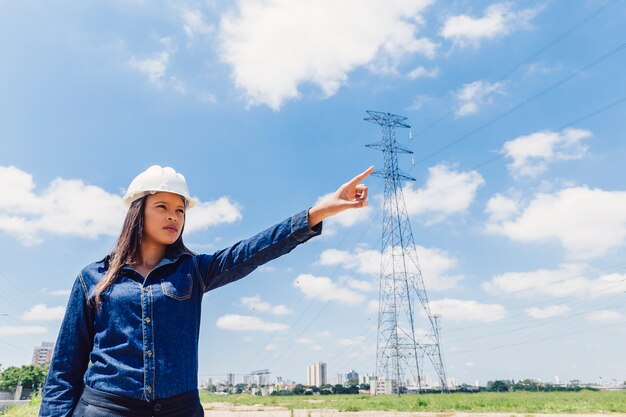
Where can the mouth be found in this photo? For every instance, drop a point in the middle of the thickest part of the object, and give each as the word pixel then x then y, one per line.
pixel 171 229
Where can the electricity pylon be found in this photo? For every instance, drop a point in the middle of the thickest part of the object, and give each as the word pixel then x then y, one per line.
pixel 400 349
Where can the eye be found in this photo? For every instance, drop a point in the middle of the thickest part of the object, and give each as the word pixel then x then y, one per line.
pixel 161 206
pixel 181 211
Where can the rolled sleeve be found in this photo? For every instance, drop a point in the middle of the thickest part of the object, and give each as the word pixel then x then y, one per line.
pixel 300 228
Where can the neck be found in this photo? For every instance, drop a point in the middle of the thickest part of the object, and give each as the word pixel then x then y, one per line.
pixel 151 254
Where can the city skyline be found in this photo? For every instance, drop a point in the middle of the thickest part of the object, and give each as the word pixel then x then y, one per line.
pixel 317 375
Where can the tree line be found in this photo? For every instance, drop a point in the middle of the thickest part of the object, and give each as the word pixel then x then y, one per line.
pixel 28 376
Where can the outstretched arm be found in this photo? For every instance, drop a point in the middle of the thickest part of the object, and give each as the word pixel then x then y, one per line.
pixel 237 261
pixel 352 194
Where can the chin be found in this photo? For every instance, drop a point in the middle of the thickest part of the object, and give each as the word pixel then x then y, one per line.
pixel 168 241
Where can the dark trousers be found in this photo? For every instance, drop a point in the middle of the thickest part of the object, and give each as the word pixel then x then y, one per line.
pixel 94 403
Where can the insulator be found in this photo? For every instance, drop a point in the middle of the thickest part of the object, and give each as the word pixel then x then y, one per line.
pixel 410 134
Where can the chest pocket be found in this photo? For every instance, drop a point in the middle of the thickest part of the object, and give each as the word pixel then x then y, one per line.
pixel 177 286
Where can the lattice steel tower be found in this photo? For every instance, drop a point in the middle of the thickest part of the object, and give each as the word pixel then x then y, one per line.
pixel 401 352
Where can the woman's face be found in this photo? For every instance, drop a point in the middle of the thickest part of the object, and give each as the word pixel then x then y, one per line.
pixel 164 218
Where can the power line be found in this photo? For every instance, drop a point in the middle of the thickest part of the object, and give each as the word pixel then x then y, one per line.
pixel 534 55
pixel 527 342
pixel 523 103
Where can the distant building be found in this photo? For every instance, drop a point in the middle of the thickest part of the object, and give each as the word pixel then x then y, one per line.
pixel 316 374
pixel 352 378
pixel 230 379
pixel 43 354
pixel 368 378
pixel 340 379
pixel 383 386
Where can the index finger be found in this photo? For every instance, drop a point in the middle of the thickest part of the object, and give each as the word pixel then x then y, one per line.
pixel 361 176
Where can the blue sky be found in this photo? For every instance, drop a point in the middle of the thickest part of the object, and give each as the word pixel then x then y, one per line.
pixel 518 208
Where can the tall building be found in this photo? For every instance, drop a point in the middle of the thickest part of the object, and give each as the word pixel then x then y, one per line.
pixel 230 379
pixel 352 378
pixel 43 354
pixel 340 379
pixel 316 374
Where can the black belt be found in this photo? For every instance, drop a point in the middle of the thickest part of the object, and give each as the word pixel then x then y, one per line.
pixel 127 405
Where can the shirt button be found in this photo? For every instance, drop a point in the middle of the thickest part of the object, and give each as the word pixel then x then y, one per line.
pixel 149 353
pixel 149 388
pixel 148 320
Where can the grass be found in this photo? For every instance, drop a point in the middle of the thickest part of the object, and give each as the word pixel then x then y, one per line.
pixel 511 402
pixel 30 410
pixel 583 402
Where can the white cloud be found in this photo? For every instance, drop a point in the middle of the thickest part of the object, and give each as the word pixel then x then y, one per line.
pixel 472 97
pixel 420 101
pixel 567 280
pixel 272 347
pixel 604 315
pixel 257 304
pixel 212 213
pixel 541 68
pixel 366 261
pixel 41 312
pixel 362 351
pixel 470 310
pixel 446 192
pixel 352 341
pixel 501 208
pixel 63 292
pixel 194 24
pixel 361 285
pixel 323 288
pixel 435 264
pixel 275 47
pixel 588 223
pixel 155 67
pixel 206 97
pixel 421 72
pixel 532 153
pixel 71 207
pixel 372 306
pixel 324 333
pixel 499 20
pixel 65 207
pixel 309 342
pixel 21 330
pixel 547 312
pixel 239 323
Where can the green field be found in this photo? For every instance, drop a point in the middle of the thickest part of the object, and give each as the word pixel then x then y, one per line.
pixel 582 402
pixel 514 402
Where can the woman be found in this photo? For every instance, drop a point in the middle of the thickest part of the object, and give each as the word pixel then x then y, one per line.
pixel 128 345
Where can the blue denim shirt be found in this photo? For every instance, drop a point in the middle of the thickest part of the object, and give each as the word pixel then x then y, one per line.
pixel 143 342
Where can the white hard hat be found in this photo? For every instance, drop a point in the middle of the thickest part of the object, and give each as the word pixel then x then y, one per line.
pixel 158 179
